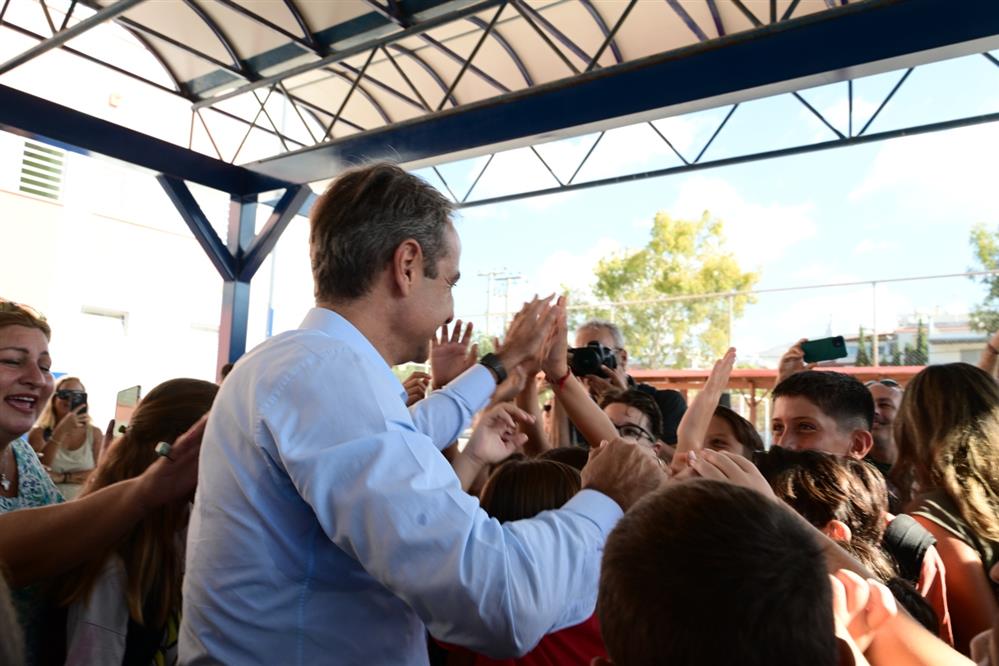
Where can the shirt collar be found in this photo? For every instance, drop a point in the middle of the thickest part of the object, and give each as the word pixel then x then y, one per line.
pixel 339 328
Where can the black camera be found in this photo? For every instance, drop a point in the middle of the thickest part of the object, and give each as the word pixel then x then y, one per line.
pixel 589 360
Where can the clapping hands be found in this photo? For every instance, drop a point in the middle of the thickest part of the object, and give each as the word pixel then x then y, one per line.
pixel 452 354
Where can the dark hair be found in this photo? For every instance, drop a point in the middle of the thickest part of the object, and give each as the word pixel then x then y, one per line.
pixel 823 487
pixel 947 432
pixel 743 430
pixel 914 603
pixel 573 456
pixel 524 488
pixel 153 562
pixel 641 401
pixel 709 573
pixel 839 396
pixel 362 218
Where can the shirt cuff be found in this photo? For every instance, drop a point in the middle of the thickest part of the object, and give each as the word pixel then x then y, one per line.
pixel 596 506
pixel 474 387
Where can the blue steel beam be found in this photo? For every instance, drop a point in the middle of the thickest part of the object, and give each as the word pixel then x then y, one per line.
pixel 199 225
pixel 27 115
pixel 236 291
pixel 285 210
pixel 743 66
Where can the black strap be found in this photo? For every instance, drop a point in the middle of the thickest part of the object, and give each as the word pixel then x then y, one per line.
pixel 907 541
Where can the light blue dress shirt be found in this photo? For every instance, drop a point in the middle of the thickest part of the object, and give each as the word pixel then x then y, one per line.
pixel 328 529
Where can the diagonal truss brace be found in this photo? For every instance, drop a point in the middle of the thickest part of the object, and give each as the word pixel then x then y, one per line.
pixel 60 38
pixel 241 265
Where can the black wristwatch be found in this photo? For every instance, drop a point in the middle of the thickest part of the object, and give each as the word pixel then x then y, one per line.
pixel 493 362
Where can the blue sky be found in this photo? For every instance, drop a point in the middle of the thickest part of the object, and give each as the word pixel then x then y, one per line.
pixel 881 210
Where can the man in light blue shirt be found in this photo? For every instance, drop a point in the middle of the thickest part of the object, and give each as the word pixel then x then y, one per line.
pixel 327 526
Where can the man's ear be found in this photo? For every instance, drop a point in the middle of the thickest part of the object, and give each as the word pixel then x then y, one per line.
pixel 837 530
pixel 861 442
pixel 407 265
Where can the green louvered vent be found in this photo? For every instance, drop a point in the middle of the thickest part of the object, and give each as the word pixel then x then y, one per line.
pixel 41 170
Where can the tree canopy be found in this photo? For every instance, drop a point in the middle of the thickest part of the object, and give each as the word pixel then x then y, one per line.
pixel 985 244
pixel 682 258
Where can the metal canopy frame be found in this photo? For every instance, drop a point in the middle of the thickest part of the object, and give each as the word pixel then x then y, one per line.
pixel 778 56
pixel 729 70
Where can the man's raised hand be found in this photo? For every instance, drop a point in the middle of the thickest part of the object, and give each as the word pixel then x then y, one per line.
pixel 451 354
pixel 624 471
pixel 528 332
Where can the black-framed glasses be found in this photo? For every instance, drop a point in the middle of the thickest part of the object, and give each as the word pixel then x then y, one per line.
pixel 890 383
pixel 66 394
pixel 636 432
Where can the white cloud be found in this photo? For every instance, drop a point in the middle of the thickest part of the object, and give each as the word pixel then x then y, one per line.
pixel 949 175
pixel 572 270
pixel 757 233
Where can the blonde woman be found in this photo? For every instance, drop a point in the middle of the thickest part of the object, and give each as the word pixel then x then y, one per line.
pixel 947 431
pixel 68 443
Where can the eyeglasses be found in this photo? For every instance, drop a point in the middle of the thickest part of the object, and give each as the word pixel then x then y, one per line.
pixel 890 383
pixel 66 394
pixel 11 306
pixel 632 431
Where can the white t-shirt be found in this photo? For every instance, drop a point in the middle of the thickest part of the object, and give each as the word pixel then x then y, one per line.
pixel 96 628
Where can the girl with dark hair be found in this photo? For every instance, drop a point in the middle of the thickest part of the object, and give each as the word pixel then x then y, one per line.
pixel 521 489
pixel 844 498
pixel 124 606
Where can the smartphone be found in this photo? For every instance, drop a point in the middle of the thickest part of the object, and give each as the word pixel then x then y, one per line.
pixel 825 349
pixel 124 406
pixel 77 398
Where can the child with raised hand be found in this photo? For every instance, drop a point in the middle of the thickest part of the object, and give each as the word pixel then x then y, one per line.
pixel 593 423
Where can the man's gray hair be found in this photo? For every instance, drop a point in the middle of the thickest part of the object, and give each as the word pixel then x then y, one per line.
pixel 608 326
pixel 361 219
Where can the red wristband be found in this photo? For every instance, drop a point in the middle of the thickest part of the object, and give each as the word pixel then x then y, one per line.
pixel 561 383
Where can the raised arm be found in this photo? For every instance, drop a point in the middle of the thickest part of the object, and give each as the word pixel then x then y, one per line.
pixel 537 440
pixel 793 361
pixel 495 588
pixel 27 536
pixel 586 415
pixel 696 420
pixel 494 439
pixel 990 354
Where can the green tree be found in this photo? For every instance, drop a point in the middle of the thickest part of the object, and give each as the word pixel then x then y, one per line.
pixel 985 244
pixel 863 356
pixel 918 354
pixel 894 354
pixel 682 258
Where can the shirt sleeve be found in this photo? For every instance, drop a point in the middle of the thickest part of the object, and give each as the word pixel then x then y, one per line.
pixel 382 492
pixel 445 413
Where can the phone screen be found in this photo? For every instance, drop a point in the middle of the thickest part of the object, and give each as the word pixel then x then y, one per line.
pixel 124 406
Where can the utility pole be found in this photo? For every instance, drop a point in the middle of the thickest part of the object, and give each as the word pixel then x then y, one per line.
pixel 506 277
